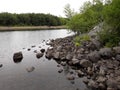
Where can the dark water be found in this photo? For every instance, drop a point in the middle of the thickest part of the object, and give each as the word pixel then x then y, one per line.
pixel 45 76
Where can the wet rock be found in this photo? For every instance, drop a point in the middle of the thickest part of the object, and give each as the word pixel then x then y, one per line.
pixel 17 57
pixel 1 65
pixel 85 63
pixel 28 49
pixel 94 56
pixel 80 73
pixel 86 81
pixel 42 50
pixel 116 49
pixel 105 53
pixel 58 65
pixel 60 70
pixel 70 77
pixel 39 55
pixel 30 69
pixel 49 53
pixel 63 63
pixel 33 46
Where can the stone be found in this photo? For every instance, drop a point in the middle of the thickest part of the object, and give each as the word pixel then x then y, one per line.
pixel 75 61
pixel 117 57
pixel 30 69
pixel 101 79
pixel 1 65
pixel 42 50
pixel 39 55
pixel 69 56
pixel 96 43
pixel 70 77
pixel 101 86
pixel 106 53
pixel 80 73
pixel 17 57
pixel 28 49
pixel 56 55
pixel 59 48
pixel 94 56
pixel 60 70
pixel 112 83
pixel 116 49
pixel 85 63
pixel 93 85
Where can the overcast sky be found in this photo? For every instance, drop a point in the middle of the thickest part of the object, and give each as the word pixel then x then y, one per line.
pixel 54 7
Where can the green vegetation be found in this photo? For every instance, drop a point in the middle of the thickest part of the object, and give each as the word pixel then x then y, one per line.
pixel 30 19
pixel 94 13
pixel 80 39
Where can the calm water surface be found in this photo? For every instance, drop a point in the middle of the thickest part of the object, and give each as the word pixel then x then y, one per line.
pixel 14 76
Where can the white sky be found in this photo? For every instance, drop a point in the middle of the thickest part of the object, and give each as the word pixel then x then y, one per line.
pixel 54 7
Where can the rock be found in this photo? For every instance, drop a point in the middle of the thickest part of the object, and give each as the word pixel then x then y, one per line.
pixel 56 55
pixel 35 51
pixel 86 81
pixel 70 77
pixel 58 65
pixel 93 85
pixel 60 70
pixel 101 86
pixel 102 71
pixel 63 63
pixel 1 65
pixel 42 50
pixel 101 79
pixel 80 73
pixel 69 56
pixel 49 53
pixel 30 69
pixel 105 53
pixel 94 56
pixel 96 43
pixel 117 57
pixel 33 46
pixel 39 55
pixel 111 84
pixel 75 61
pixel 89 71
pixel 116 49
pixel 85 63
pixel 59 48
pixel 17 57
pixel 80 56
pixel 28 49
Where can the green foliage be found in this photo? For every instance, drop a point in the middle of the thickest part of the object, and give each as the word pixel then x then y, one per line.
pixel 89 16
pixel 78 40
pixel 29 19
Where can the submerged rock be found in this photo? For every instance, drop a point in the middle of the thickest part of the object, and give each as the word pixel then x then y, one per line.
pixel 30 69
pixel 17 57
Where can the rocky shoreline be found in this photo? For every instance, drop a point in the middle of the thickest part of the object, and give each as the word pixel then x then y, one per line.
pixel 100 66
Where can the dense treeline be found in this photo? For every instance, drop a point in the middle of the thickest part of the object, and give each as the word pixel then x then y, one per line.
pixel 94 13
pixel 30 19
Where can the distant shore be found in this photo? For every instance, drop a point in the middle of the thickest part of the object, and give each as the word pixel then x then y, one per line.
pixel 17 28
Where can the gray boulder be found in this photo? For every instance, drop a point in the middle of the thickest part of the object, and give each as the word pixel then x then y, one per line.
pixel 116 50
pixel 106 53
pixel 85 63
pixel 94 56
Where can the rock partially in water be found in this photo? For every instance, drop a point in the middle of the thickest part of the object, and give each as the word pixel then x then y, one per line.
pixel 60 70
pixel 39 55
pixel 42 50
pixel 1 65
pixel 70 77
pixel 17 57
pixel 30 69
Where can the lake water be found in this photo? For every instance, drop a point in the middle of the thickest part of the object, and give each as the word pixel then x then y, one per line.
pixel 45 76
